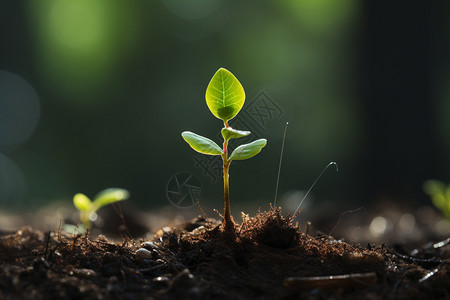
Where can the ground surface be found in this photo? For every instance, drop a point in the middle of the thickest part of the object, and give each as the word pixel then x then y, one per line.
pixel 267 258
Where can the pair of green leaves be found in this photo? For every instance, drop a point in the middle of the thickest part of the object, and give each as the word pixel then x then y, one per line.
pixel 225 97
pixel 105 197
pixel 86 207
pixel 206 146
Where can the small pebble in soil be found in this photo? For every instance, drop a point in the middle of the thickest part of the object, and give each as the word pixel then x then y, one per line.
pixel 198 230
pixel 142 254
pixel 148 245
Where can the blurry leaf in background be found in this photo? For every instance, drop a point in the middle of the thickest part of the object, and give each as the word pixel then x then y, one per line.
pixel 320 15
pixel 88 208
pixel 80 43
pixel 440 195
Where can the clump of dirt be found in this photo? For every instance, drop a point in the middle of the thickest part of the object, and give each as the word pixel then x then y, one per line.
pixel 265 252
pixel 265 258
pixel 271 229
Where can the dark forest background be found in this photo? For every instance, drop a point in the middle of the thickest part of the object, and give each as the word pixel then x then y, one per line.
pixel 95 94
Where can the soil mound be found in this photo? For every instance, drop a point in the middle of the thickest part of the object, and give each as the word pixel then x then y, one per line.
pixel 265 258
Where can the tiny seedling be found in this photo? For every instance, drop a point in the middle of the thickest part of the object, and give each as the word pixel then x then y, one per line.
pixel 225 97
pixel 440 195
pixel 88 209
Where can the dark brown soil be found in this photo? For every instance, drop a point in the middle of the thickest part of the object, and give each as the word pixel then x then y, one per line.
pixel 267 258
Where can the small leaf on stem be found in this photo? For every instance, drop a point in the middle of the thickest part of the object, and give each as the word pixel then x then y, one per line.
pixel 230 133
pixel 248 150
pixel 201 144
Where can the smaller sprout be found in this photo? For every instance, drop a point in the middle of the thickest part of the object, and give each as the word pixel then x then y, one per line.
pixel 88 209
pixel 440 195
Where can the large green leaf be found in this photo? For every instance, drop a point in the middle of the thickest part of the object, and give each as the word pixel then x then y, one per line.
pixel 109 196
pixel 225 95
pixel 82 202
pixel 248 150
pixel 201 144
pixel 230 133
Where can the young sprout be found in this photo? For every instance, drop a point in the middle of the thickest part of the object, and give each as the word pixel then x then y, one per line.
pixel 225 97
pixel 440 195
pixel 88 208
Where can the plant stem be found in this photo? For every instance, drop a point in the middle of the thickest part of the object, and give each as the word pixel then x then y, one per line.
pixel 228 223
pixel 84 218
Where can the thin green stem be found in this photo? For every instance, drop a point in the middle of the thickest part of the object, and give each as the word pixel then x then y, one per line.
pixel 227 220
pixel 228 223
pixel 84 218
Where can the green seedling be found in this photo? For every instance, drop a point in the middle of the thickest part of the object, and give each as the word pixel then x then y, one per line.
pixel 88 209
pixel 225 97
pixel 440 195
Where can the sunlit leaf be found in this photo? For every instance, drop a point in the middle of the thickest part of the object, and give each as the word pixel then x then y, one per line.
pixel 248 150
pixel 230 133
pixel 225 95
pixel 109 196
pixel 82 202
pixel 432 187
pixel 201 144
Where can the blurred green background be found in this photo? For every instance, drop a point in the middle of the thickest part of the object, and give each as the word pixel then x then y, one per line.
pixel 95 94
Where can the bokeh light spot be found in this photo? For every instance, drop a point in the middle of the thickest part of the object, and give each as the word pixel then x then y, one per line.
pixel 76 24
pixel 443 227
pixel 321 15
pixel 378 226
pixel 407 223
pixel 93 216
pixel 19 109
